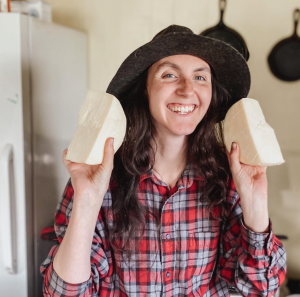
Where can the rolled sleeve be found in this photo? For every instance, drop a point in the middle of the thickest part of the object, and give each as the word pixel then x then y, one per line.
pixel 254 263
pixel 54 285
pixel 256 244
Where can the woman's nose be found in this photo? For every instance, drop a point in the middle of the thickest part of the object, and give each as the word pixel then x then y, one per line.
pixel 185 88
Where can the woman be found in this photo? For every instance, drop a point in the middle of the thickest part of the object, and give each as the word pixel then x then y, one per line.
pixel 177 215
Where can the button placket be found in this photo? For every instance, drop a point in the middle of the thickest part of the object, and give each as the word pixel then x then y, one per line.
pixel 167 229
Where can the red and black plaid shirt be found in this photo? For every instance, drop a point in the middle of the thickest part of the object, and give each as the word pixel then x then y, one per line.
pixel 193 254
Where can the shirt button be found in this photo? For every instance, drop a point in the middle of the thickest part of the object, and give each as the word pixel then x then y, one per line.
pixel 257 244
pixel 168 274
pixel 271 270
pixel 168 236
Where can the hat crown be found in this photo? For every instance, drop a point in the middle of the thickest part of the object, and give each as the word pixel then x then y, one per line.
pixel 173 29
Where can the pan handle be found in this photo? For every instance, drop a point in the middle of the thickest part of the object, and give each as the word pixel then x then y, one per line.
pixel 296 20
pixel 222 5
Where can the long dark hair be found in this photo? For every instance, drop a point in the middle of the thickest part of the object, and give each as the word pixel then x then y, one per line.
pixel 206 150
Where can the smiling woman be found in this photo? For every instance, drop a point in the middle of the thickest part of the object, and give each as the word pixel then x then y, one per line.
pixel 182 83
pixel 172 213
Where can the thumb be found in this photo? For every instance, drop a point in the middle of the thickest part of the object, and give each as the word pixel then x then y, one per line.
pixel 234 157
pixel 108 156
pixel 65 161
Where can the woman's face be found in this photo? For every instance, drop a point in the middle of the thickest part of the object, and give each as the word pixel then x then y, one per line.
pixel 179 90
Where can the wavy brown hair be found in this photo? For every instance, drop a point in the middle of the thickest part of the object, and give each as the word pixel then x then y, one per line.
pixel 206 150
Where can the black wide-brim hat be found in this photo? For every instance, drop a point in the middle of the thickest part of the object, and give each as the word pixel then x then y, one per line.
pixel 229 66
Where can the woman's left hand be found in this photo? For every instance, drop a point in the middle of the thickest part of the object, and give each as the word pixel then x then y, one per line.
pixel 252 186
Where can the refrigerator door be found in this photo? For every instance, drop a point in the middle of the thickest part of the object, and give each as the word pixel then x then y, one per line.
pixel 43 83
pixel 16 224
pixel 58 66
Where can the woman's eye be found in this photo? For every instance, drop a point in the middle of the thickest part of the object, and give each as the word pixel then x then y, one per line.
pixel 202 78
pixel 168 74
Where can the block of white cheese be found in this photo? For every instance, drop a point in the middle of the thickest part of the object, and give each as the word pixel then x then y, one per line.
pixel 245 124
pixel 101 116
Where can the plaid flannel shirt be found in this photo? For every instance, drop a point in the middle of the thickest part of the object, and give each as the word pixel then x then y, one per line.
pixel 193 254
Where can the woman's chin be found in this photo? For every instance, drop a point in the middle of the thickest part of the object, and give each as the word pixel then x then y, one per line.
pixel 183 131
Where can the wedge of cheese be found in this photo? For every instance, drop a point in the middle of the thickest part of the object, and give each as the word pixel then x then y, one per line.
pixel 101 116
pixel 245 124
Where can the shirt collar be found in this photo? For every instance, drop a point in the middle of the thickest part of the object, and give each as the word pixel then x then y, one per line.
pixel 185 180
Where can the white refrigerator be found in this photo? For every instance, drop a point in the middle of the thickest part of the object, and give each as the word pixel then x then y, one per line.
pixel 43 83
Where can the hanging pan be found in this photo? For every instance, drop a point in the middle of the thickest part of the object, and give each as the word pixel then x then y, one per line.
pixel 284 59
pixel 226 34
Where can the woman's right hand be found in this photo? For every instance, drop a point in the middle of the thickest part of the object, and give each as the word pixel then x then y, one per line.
pixel 91 180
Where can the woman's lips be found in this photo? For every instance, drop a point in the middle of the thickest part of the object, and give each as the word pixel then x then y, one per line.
pixel 182 109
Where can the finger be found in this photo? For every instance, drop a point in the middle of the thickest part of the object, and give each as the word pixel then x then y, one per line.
pixel 234 158
pixel 108 157
pixel 263 169
pixel 227 154
pixel 65 161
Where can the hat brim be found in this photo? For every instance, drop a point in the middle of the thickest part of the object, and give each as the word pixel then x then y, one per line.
pixel 229 66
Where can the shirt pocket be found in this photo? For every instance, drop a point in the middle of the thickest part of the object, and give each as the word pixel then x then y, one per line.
pixel 202 253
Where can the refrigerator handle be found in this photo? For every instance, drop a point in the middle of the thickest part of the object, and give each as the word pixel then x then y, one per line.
pixel 8 209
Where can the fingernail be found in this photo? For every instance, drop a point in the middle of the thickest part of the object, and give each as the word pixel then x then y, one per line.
pixel 233 146
pixel 112 142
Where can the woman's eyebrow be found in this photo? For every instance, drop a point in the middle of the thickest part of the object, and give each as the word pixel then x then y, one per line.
pixel 175 66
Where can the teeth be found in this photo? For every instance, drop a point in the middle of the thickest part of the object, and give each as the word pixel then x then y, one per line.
pixel 182 109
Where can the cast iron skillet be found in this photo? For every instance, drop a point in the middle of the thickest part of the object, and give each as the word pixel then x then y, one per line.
pixel 226 34
pixel 284 59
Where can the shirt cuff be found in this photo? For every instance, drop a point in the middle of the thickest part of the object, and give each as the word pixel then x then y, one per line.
pixel 55 284
pixel 257 244
pixel 57 281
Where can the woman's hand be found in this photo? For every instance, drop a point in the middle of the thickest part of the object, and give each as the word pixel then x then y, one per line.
pixel 252 187
pixel 91 180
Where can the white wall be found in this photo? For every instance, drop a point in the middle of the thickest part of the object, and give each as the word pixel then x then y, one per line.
pixel 118 27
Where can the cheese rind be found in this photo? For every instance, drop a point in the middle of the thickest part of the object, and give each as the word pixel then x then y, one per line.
pixel 101 116
pixel 245 124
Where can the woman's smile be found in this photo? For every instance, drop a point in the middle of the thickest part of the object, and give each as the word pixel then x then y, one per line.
pixel 182 109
